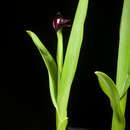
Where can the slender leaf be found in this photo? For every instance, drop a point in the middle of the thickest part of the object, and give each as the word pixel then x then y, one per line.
pixel 71 57
pixel 50 64
pixel 109 88
pixel 123 67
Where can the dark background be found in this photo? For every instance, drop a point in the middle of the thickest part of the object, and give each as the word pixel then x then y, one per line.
pixel 24 93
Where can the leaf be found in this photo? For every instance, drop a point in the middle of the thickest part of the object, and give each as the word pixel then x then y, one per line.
pixel 50 64
pixel 109 88
pixel 123 66
pixel 72 56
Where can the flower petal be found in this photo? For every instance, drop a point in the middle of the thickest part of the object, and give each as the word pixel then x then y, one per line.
pixel 59 22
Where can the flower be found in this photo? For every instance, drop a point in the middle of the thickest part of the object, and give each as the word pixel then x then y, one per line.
pixel 59 22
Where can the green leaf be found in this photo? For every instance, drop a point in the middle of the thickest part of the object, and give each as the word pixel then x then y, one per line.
pixel 50 64
pixel 109 88
pixel 123 66
pixel 71 57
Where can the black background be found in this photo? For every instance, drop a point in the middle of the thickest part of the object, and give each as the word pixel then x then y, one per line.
pixel 24 94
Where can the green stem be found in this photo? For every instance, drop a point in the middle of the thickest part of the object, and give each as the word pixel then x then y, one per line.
pixel 116 124
pixel 60 50
pixel 61 123
pixel 59 54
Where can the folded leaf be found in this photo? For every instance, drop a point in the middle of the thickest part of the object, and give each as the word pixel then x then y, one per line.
pixel 109 88
pixel 50 64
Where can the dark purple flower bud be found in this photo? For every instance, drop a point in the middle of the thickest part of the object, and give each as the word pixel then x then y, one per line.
pixel 59 22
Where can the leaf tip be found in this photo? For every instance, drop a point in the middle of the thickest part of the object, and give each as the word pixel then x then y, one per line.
pixel 96 72
pixel 28 31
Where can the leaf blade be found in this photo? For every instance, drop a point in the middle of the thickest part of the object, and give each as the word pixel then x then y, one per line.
pixel 109 88
pixel 50 65
pixel 123 66
pixel 72 55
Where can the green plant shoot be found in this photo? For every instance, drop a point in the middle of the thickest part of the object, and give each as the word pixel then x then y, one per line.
pixel 61 73
pixel 117 93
